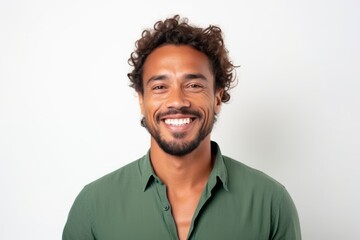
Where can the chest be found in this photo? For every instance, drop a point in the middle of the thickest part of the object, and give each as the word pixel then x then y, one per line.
pixel 151 218
pixel 183 207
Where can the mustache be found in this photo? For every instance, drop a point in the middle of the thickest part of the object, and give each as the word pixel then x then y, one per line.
pixel 184 111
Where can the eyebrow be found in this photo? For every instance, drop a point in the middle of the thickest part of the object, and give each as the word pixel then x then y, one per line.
pixel 155 78
pixel 188 76
pixel 191 76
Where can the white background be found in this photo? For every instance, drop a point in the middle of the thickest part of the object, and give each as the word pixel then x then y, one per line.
pixel 67 115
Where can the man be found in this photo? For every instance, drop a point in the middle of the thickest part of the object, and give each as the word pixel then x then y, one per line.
pixel 183 188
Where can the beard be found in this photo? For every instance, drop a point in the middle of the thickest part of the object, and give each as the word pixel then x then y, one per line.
pixel 177 147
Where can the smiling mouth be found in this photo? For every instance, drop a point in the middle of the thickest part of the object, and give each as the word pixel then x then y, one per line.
pixel 176 122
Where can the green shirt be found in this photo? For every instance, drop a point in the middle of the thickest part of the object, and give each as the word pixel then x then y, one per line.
pixel 130 203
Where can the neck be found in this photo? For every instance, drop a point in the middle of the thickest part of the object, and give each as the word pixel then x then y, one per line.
pixel 188 171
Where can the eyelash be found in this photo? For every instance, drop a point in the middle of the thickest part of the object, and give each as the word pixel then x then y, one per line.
pixel 195 85
pixel 158 87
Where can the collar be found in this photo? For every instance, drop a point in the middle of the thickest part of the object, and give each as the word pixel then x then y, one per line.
pixel 146 171
pixel 219 172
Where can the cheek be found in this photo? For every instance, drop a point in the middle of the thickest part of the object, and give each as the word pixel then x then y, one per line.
pixel 151 107
pixel 208 109
pixel 212 105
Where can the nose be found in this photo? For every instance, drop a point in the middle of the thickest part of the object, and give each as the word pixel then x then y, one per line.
pixel 177 99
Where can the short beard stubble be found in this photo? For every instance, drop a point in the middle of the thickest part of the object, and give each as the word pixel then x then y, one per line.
pixel 183 148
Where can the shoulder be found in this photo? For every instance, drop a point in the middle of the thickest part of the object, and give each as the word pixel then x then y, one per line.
pixel 244 177
pixel 117 180
pixel 245 182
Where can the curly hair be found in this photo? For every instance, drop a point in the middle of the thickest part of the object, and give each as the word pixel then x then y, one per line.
pixel 177 31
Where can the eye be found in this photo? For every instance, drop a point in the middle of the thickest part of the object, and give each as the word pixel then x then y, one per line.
pixel 195 87
pixel 158 88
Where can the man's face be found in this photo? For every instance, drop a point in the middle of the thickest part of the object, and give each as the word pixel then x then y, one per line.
pixel 179 102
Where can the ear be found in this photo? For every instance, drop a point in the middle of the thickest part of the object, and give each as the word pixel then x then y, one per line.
pixel 218 96
pixel 141 102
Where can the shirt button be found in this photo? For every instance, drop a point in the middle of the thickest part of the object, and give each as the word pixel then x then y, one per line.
pixel 166 208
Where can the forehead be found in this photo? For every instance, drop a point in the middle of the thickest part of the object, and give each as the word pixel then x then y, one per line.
pixel 173 59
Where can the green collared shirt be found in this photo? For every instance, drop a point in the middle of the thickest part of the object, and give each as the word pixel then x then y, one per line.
pixel 130 203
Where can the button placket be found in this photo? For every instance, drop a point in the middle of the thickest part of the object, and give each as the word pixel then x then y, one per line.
pixel 166 209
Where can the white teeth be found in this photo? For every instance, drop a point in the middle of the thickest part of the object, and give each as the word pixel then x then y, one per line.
pixel 178 121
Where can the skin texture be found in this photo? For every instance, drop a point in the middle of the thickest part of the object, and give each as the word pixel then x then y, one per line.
pixel 179 84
